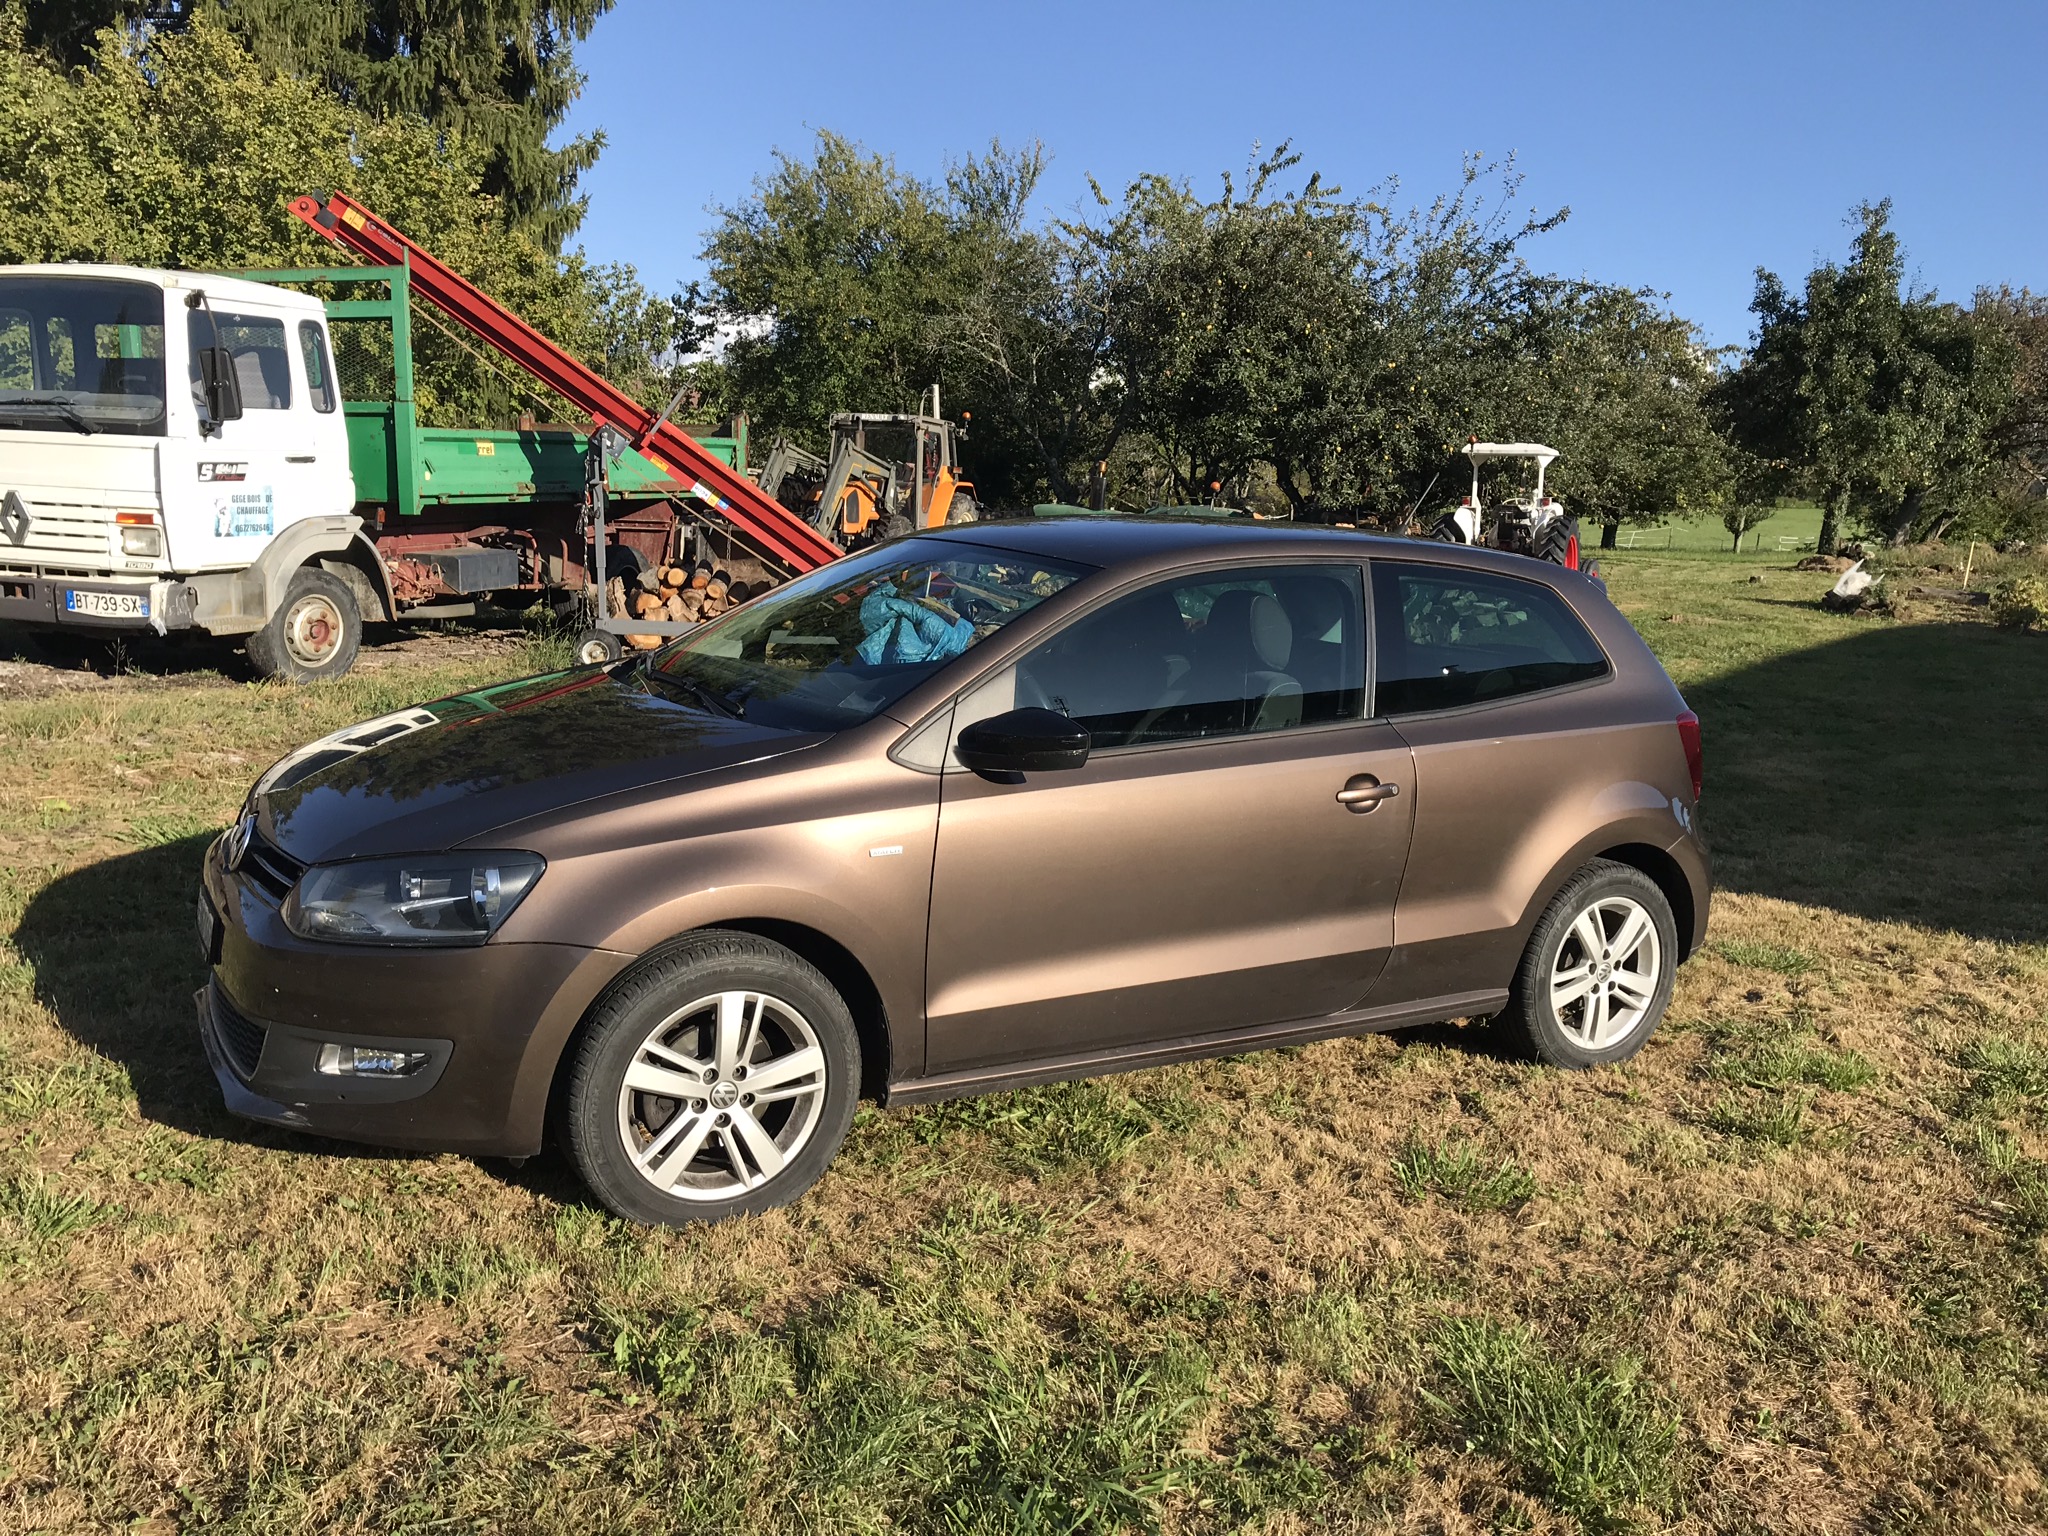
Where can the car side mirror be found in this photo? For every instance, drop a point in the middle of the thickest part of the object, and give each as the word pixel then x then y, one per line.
pixel 1024 741
pixel 217 382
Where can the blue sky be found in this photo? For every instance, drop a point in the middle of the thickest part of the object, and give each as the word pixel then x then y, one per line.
pixel 1691 142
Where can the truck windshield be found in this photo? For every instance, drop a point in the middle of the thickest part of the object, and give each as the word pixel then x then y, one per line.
pixel 81 354
pixel 837 647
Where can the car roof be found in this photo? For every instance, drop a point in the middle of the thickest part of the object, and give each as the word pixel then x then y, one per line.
pixel 1155 540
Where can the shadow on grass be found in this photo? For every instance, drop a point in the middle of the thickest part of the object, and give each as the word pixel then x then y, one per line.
pixel 116 956
pixel 1899 773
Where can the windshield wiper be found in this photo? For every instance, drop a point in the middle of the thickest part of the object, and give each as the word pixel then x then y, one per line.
pixel 63 405
pixel 717 703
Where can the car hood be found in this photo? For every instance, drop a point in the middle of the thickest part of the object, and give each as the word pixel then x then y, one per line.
pixel 427 779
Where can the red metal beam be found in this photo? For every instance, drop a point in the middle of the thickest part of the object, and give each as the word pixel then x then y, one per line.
pixel 760 520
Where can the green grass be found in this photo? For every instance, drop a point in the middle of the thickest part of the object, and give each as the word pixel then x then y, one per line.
pixel 1783 1270
pixel 1460 1172
pixel 1706 536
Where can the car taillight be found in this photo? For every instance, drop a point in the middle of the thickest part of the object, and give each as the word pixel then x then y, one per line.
pixel 1695 757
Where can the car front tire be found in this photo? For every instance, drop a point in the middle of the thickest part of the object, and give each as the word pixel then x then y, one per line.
pixel 1597 974
pixel 718 1079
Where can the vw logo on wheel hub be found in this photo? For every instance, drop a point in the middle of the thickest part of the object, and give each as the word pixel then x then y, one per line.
pixel 725 1095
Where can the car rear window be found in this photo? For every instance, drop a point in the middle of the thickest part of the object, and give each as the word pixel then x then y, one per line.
pixel 1449 637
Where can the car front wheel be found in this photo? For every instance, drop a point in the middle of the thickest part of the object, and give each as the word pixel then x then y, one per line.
pixel 1596 976
pixel 718 1079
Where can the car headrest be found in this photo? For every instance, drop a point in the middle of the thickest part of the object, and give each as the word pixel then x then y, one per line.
pixel 1254 626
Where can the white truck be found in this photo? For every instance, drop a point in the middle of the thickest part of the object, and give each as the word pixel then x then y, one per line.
pixel 173 456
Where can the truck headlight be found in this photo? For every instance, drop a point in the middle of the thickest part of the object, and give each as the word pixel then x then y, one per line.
pixel 143 543
pixel 450 898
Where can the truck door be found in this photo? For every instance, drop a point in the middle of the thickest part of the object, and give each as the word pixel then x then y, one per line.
pixel 255 474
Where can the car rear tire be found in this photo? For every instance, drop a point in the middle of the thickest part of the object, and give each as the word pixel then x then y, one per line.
pixel 1596 976
pixel 717 1080
pixel 314 634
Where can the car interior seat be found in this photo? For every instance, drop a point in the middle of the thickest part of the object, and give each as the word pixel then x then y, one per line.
pixel 264 378
pixel 1241 682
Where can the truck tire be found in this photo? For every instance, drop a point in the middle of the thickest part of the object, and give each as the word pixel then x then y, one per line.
pixel 314 634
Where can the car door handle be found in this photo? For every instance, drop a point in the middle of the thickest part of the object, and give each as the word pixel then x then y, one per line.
pixel 1364 794
pixel 298 458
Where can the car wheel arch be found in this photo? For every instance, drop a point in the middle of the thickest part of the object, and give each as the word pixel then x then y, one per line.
pixel 832 958
pixel 1634 845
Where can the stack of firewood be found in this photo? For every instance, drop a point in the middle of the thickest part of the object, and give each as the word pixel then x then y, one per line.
pixel 675 595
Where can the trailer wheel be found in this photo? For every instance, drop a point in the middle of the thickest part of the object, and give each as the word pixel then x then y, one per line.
pixel 313 635
pixel 596 647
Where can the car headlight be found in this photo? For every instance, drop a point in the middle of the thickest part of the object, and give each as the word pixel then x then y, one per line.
pixel 446 898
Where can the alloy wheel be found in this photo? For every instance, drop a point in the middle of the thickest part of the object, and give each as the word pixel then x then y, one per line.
pixel 720 1096
pixel 1604 980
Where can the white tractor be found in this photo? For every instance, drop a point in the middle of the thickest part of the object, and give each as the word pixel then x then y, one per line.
pixel 1533 523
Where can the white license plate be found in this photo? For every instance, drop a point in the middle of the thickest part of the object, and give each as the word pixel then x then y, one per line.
pixel 108 605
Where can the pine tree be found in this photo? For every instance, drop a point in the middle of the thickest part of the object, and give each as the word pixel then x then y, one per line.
pixel 498 72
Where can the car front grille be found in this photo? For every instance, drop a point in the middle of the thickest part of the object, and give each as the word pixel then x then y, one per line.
pixel 241 1037
pixel 269 868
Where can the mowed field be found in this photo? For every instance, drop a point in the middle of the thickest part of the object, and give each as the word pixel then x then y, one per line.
pixel 1787 1270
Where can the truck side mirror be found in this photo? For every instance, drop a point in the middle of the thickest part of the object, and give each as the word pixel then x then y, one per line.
pixel 218 384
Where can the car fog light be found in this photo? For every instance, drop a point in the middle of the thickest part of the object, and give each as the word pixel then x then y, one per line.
pixel 148 543
pixel 368 1061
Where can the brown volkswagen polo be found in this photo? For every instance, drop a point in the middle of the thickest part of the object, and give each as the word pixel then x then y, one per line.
pixel 988 806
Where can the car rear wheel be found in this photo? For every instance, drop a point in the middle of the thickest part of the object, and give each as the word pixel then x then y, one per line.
pixel 718 1079
pixel 1596 976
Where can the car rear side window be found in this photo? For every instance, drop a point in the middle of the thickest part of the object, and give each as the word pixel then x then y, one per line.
pixel 1450 637
pixel 1225 653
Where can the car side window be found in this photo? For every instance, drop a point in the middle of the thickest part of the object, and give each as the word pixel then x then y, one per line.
pixel 1220 654
pixel 1448 637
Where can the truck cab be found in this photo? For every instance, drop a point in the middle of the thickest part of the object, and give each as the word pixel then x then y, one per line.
pixel 172 451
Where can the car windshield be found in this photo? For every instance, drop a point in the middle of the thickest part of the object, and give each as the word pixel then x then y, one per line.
pixel 837 647
pixel 81 354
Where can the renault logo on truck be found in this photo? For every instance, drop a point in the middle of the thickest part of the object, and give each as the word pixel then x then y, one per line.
pixel 14 517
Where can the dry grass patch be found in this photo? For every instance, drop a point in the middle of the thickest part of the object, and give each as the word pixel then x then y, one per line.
pixel 1786 1270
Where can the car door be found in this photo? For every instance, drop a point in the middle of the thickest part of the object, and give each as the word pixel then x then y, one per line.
pixel 254 473
pixel 1200 872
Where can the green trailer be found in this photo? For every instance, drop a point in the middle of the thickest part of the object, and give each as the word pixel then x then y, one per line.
pixel 429 494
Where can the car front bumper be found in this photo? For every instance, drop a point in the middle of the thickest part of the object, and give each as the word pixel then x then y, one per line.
pixel 492 1021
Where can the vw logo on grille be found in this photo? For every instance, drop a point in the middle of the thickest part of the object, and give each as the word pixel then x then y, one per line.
pixel 238 840
pixel 14 517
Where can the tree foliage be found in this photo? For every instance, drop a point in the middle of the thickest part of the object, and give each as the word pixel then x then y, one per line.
pixel 1880 403
pixel 498 74
pixel 182 150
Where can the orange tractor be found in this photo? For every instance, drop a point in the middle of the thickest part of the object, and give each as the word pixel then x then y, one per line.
pixel 886 474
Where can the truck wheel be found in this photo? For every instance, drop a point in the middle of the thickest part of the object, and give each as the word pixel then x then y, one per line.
pixel 313 635
pixel 595 647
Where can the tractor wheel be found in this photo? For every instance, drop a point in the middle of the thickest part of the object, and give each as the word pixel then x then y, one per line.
pixel 1447 530
pixel 1559 542
pixel 962 509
